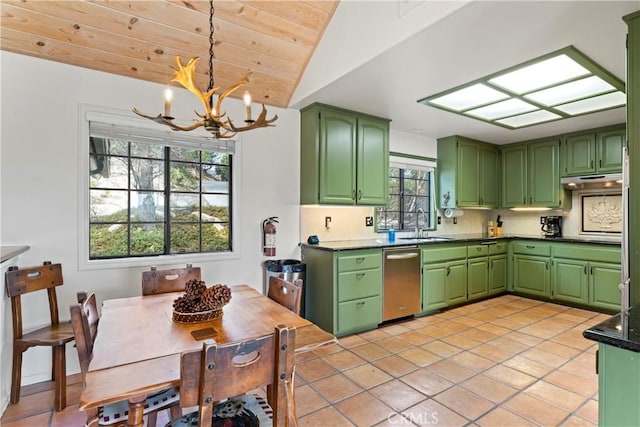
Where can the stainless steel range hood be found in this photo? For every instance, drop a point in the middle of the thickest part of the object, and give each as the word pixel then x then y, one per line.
pixel 611 180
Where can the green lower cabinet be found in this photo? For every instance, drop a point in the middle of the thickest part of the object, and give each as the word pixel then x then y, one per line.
pixel 443 284
pixel 478 278
pixel 456 282
pixel 618 386
pixel 531 275
pixel 604 281
pixel 497 274
pixel 570 281
pixel 359 314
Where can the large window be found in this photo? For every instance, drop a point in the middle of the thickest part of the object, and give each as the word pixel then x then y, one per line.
pixel 410 204
pixel 148 199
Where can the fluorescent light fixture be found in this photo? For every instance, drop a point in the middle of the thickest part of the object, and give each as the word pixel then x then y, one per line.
pixel 602 102
pixel 469 97
pixel 555 86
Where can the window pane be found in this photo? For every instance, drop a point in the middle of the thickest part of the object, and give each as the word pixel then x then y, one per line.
pixel 213 213
pixel 108 205
pixel 147 174
pixel 147 239
pixel 409 190
pixel 147 206
pixel 185 154
pixel 109 172
pixel 215 237
pixel 108 240
pixel 184 207
pixel 117 147
pixel 185 238
pixel 148 151
pixel 185 177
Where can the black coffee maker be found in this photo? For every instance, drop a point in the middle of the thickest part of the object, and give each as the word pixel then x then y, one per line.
pixel 551 226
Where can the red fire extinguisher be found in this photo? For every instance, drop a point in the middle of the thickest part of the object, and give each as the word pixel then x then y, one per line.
pixel 269 236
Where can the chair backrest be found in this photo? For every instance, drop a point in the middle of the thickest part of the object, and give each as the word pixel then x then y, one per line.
pixel 157 281
pixel 285 293
pixel 219 372
pixel 84 321
pixel 20 281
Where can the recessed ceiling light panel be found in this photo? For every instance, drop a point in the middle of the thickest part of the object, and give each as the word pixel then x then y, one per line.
pixel 469 97
pixel 529 119
pixel 597 103
pixel 571 91
pixel 558 85
pixel 510 107
pixel 542 74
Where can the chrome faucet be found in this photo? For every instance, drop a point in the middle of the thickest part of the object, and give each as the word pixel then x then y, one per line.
pixel 419 230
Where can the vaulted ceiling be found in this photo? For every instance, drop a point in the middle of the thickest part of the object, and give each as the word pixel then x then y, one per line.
pixel 140 39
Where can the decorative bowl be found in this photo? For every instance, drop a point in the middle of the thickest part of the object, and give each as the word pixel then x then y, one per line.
pixel 198 316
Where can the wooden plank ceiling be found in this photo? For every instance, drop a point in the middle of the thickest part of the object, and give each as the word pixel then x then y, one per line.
pixel 140 39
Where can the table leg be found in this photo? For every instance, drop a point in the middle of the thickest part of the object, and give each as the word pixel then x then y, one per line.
pixel 136 409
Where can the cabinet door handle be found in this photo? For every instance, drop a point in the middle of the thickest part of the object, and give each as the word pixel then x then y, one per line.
pixel 359 194
pixel 546 265
pixel 530 247
pixel 353 194
pixel 360 275
pixel 448 270
pixel 592 164
pixel 585 269
pixel 530 200
pixel 592 271
pixel 491 263
pixel 360 259
pixel 524 200
pixel 600 163
pixel 360 303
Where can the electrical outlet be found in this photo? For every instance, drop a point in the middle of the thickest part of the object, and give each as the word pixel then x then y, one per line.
pixel 327 221
pixel 543 219
pixel 455 220
pixel 368 221
pixel 439 220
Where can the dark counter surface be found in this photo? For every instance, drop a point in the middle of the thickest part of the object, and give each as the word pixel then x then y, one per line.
pixel 620 330
pixel 383 242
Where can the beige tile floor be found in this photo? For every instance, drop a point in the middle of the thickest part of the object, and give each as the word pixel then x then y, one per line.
pixel 507 361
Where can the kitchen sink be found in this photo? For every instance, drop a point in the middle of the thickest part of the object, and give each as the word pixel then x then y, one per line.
pixel 426 239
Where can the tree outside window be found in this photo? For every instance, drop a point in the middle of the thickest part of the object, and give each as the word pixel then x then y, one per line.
pixel 410 201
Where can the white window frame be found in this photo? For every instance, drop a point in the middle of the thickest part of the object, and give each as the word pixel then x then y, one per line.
pixel 116 117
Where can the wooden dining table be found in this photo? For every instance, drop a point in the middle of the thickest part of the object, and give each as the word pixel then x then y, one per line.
pixel 137 349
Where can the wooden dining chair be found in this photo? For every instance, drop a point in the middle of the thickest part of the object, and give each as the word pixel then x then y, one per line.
pixel 218 373
pixel 85 320
pixel 285 293
pixel 20 281
pixel 156 281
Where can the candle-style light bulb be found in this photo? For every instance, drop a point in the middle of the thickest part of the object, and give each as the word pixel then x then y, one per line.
pixel 168 95
pixel 247 106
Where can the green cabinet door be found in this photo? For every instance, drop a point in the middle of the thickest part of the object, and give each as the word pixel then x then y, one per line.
pixel 604 291
pixel 372 161
pixel 514 176
pixel 610 145
pixel 456 277
pixel 570 280
pixel 434 291
pixel 477 277
pixel 497 274
pixel 337 157
pixel 531 275
pixel 489 160
pixel 618 386
pixel 544 174
pixel 579 154
pixel 468 176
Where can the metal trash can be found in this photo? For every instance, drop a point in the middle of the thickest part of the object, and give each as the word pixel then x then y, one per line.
pixel 290 270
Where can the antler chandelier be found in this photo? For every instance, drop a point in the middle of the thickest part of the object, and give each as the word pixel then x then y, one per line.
pixel 213 119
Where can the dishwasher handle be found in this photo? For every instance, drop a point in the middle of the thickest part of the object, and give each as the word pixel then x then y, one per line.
pixel 403 256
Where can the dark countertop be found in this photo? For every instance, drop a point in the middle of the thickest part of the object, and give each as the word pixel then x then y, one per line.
pixel 383 242
pixel 8 252
pixel 618 331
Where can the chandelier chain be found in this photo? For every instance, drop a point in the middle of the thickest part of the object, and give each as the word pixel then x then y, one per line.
pixel 211 42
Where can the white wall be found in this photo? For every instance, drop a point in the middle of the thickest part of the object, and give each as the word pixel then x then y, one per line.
pixel 39 178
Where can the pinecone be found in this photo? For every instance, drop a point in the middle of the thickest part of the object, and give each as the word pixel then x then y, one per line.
pixel 194 287
pixel 216 296
pixel 186 304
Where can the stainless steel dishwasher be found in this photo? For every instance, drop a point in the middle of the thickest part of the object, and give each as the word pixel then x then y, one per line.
pixel 401 286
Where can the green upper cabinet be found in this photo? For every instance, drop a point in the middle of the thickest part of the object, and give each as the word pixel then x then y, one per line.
pixel 594 151
pixel 531 176
pixel 467 173
pixel 344 157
